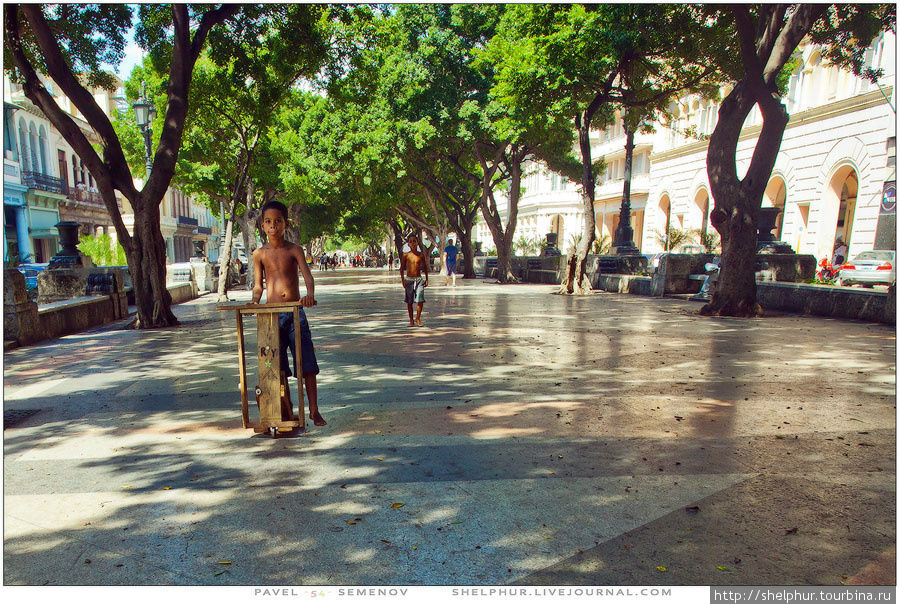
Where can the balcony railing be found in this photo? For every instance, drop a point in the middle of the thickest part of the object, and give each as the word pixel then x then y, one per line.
pixel 187 220
pixel 43 182
pixel 85 196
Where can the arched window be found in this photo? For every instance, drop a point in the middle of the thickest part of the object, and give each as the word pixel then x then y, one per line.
pixel 42 150
pixel 665 208
pixel 33 148
pixel 702 201
pixel 775 196
pixel 23 146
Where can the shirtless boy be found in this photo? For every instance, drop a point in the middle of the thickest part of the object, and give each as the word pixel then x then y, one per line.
pixel 414 277
pixel 280 261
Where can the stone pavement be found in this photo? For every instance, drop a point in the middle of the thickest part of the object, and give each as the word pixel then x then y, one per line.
pixel 530 438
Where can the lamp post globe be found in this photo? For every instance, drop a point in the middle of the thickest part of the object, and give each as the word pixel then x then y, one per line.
pixel 144 114
pixel 141 113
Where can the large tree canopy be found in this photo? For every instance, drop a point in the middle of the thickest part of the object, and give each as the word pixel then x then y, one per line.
pixel 69 42
pixel 581 62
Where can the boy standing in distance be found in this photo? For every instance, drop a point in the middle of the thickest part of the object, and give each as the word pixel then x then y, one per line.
pixel 414 277
pixel 450 253
pixel 280 261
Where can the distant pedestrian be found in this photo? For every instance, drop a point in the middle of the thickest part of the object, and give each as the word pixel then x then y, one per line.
pixel 450 254
pixel 414 277
pixel 391 260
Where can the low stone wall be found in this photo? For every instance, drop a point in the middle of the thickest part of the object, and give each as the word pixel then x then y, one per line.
pixel 552 269
pixel 182 292
pixel 827 301
pixel 26 322
pixel 76 315
pixel 673 275
pixel 623 284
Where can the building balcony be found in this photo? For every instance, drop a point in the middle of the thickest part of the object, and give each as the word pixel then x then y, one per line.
pixel 86 197
pixel 187 221
pixel 44 182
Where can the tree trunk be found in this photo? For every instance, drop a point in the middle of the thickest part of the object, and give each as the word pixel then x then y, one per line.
pixel 443 234
pixel 737 202
pixel 148 256
pixel 248 223
pixel 577 281
pixel 225 259
pixel 502 236
pixel 465 244
pixel 735 293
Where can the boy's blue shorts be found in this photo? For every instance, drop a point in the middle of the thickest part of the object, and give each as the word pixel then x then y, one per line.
pixel 286 337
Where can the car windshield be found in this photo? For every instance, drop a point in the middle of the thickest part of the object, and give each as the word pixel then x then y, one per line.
pixel 880 256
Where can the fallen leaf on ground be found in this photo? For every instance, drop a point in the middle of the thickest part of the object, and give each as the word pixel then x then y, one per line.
pixel 661 569
pixel 167 488
pixel 397 505
pixel 224 562
pixel 722 567
pixel 385 541
pixel 456 522
pixel 381 459
pixel 127 486
pixel 349 521
pixel 791 531
pixel 692 509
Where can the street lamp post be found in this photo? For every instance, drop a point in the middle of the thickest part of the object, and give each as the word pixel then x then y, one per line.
pixel 144 114
pixel 623 241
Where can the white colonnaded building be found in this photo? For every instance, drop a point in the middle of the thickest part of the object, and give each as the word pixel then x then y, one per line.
pixel 836 161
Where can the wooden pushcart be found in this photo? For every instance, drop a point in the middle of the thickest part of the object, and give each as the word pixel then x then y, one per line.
pixel 276 411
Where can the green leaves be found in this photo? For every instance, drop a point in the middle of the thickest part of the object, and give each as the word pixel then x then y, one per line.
pixel 90 35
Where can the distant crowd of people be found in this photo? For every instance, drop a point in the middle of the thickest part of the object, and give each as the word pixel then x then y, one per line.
pixel 328 261
pixel 332 261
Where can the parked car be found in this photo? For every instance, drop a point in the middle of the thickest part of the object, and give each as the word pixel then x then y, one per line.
pixel 869 268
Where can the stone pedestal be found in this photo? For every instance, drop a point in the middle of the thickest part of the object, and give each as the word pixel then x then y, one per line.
pixel 765 240
pixel 203 276
pixel 20 314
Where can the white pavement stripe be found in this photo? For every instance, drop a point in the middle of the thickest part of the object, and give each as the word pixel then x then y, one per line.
pixel 32 390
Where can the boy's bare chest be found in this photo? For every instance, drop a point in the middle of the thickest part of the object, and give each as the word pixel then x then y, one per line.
pixel 279 261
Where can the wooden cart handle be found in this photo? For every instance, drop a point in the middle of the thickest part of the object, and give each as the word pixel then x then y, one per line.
pixel 268 307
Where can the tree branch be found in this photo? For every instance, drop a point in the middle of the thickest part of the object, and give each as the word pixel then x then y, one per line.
pixel 798 25
pixel 115 166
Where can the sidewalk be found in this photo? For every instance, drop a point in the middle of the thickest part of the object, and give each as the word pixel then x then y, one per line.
pixel 530 438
